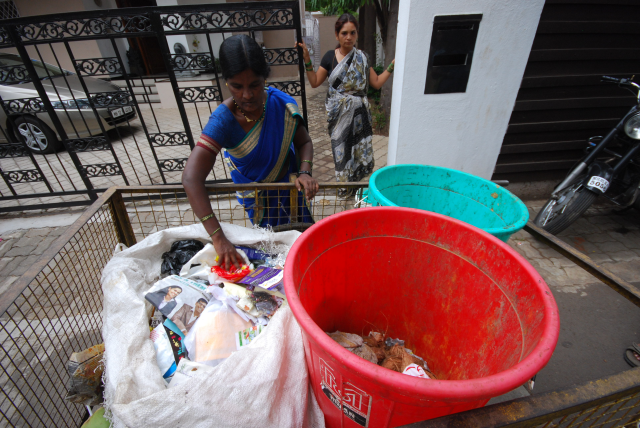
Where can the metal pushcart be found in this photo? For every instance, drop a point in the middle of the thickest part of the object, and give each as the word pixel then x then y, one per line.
pixel 55 309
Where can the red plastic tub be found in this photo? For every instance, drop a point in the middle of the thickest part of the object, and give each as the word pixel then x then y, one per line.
pixel 480 315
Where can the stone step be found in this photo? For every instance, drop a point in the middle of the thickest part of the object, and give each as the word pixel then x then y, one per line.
pixel 135 82
pixel 145 90
pixel 152 98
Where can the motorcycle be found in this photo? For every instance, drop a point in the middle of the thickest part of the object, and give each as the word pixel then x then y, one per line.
pixel 611 167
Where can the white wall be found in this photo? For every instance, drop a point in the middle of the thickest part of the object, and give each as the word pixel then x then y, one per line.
pixel 463 131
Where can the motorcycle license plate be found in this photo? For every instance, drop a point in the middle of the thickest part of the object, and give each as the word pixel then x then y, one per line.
pixel 599 183
pixel 120 111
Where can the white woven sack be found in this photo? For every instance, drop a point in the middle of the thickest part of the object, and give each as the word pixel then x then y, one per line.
pixel 265 384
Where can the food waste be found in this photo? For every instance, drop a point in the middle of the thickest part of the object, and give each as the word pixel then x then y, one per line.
pixel 384 351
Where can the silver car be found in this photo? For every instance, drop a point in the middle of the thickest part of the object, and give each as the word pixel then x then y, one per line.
pixel 70 102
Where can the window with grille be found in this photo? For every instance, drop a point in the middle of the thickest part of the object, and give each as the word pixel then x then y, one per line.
pixel 8 9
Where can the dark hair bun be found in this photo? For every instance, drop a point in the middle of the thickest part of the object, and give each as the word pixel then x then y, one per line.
pixel 344 18
pixel 239 53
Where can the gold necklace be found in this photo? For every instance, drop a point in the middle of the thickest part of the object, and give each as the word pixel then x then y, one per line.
pixel 264 108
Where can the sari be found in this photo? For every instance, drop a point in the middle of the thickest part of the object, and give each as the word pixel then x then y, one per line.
pixel 261 156
pixel 349 118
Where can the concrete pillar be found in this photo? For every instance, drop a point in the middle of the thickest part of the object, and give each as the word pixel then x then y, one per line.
pixel 463 131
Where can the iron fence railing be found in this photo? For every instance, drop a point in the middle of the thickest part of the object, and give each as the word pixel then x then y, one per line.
pixel 111 135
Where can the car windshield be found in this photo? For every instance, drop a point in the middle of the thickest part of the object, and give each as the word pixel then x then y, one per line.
pixel 12 76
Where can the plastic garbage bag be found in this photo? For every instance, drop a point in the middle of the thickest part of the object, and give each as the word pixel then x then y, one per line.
pixel 179 254
pixel 268 379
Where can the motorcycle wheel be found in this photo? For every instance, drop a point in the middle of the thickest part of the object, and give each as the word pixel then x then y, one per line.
pixel 572 202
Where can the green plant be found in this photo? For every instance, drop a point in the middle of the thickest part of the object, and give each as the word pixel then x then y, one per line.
pixel 378 117
pixel 334 7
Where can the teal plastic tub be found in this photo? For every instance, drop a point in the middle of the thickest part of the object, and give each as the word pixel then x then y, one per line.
pixel 456 194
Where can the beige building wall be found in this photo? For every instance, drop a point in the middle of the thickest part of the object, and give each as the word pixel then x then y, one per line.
pixel 280 39
pixel 84 49
pixel 327 33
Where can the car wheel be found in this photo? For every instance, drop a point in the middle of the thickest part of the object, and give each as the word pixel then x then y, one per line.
pixel 39 137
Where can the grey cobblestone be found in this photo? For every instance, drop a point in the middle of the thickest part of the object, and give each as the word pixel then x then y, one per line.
pixel 601 237
pixel 6 282
pixel 5 246
pixel 549 253
pixel 3 264
pixel 44 244
pixel 38 232
pixel 527 250
pixel 12 264
pixel 27 241
pixel 25 264
pixel 630 241
pixel 624 256
pixel 20 251
pixel 611 247
pixel 17 234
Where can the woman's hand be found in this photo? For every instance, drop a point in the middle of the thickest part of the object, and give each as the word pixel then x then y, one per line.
pixel 309 184
pixel 228 256
pixel 305 51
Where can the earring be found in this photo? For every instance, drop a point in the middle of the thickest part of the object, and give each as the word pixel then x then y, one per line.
pixel 226 84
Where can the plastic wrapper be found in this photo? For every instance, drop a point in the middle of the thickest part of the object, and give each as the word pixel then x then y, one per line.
pixel 245 337
pixel 253 254
pixel 416 371
pixel 232 275
pixel 212 339
pixel 265 304
pixel 264 277
pixel 176 338
pixel 179 254
pixel 164 352
pixel 85 376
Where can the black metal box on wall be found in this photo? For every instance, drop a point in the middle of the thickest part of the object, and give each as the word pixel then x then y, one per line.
pixel 452 43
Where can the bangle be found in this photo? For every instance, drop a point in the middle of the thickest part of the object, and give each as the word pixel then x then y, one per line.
pixel 305 172
pixel 390 68
pixel 207 217
pixel 214 232
pixel 309 162
pixel 308 63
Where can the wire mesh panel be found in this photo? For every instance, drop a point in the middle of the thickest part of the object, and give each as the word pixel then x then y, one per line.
pixel 151 212
pixel 623 412
pixel 55 308
pixel 47 318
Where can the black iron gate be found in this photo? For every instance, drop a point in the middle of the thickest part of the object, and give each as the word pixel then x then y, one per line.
pixel 115 135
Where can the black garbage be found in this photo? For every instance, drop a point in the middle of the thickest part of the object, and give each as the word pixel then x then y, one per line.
pixel 179 254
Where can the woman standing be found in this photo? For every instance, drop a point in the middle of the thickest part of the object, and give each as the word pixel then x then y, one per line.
pixel 264 140
pixel 350 75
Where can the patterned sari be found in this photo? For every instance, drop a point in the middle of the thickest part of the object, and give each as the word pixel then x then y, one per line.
pixel 262 156
pixel 349 117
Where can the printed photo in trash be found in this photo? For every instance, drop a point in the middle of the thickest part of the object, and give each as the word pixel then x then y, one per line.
pixel 179 299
